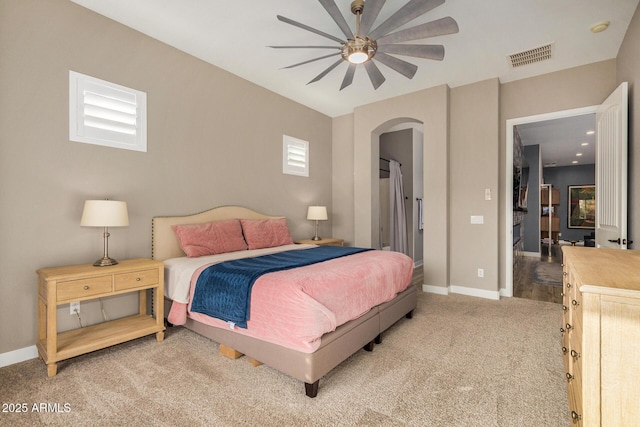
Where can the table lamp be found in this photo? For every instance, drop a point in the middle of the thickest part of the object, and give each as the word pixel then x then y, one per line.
pixel 105 213
pixel 317 213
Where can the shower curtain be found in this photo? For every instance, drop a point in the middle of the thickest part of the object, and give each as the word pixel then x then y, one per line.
pixel 398 217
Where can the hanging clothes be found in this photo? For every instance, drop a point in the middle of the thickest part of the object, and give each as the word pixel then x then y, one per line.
pixel 398 216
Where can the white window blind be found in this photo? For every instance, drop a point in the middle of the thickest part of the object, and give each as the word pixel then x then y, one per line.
pixel 295 156
pixel 105 113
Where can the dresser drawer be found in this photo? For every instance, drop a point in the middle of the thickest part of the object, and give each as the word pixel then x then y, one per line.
pixel 136 279
pixel 73 290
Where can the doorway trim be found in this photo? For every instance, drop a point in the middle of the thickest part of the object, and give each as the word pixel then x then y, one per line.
pixel 507 291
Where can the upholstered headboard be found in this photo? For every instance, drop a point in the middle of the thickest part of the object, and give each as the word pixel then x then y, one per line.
pixel 164 243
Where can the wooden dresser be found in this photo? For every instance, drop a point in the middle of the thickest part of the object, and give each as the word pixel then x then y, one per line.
pixel 601 335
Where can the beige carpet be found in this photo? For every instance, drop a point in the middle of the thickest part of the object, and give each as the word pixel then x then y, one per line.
pixel 461 361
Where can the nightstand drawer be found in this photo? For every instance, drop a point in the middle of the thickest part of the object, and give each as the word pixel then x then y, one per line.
pixel 136 279
pixel 79 289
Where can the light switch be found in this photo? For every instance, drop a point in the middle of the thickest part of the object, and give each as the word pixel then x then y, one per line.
pixel 487 194
pixel 477 219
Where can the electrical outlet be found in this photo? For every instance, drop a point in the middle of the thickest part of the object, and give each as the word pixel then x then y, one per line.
pixel 481 272
pixel 73 307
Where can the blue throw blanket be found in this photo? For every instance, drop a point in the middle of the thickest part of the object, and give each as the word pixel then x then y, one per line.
pixel 224 290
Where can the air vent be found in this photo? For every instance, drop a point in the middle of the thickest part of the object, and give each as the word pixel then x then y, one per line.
pixel 530 56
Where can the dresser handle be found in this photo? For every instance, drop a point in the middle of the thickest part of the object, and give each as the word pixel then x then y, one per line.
pixel 568 285
pixel 86 287
pixel 575 416
pixel 565 308
pixel 564 350
pixel 562 330
pixel 569 326
pixel 575 303
pixel 575 354
pixel 569 377
pixel 137 279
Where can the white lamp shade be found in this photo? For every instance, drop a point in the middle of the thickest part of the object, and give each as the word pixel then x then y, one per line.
pixel 104 213
pixel 317 213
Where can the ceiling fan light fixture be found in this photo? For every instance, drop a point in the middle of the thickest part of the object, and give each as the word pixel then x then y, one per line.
pixel 359 50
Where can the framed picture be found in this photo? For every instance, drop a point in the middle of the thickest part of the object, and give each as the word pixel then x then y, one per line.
pixel 582 206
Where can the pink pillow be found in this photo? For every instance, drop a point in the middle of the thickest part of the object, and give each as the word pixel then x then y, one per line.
pixel 210 238
pixel 266 233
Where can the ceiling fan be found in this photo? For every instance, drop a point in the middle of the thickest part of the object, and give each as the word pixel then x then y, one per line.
pixel 380 43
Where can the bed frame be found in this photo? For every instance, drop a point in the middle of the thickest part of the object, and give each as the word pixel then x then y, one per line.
pixel 335 347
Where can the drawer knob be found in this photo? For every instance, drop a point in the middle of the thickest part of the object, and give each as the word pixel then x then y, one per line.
pixel 575 416
pixel 86 287
pixel 575 303
pixel 568 285
pixel 575 354
pixel 564 349
pixel 137 279
pixel 569 326
pixel 565 308
pixel 562 330
pixel 569 377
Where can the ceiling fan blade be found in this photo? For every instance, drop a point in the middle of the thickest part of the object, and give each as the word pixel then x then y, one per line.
pixel 369 14
pixel 403 67
pixel 427 51
pixel 348 76
pixel 334 12
pixel 439 27
pixel 308 28
pixel 327 71
pixel 406 13
pixel 312 60
pixel 374 73
pixel 305 47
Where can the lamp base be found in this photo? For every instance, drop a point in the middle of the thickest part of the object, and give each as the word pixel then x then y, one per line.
pixel 105 262
pixel 316 237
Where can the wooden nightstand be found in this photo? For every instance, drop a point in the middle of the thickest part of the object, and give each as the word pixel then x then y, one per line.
pixel 62 285
pixel 329 241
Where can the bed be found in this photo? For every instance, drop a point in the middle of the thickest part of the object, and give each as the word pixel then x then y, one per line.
pixel 306 355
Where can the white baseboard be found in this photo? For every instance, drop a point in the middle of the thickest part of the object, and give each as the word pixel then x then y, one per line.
pixel 505 294
pixel 17 356
pixel 473 292
pixel 440 290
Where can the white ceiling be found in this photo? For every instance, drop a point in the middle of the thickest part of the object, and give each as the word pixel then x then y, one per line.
pixel 234 35
pixel 561 140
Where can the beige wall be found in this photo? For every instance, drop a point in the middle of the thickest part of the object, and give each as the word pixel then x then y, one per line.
pixel 430 107
pixel 213 139
pixel 454 249
pixel 474 168
pixel 569 89
pixel 342 180
pixel 628 69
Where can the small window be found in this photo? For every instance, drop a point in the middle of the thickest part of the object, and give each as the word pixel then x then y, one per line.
pixel 295 156
pixel 105 113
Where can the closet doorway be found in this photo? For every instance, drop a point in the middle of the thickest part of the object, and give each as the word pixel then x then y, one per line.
pixel 404 144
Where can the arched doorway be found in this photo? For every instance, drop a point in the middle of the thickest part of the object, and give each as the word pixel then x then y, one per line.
pixel 402 142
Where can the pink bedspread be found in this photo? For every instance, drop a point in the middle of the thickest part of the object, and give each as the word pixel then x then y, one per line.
pixel 294 308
